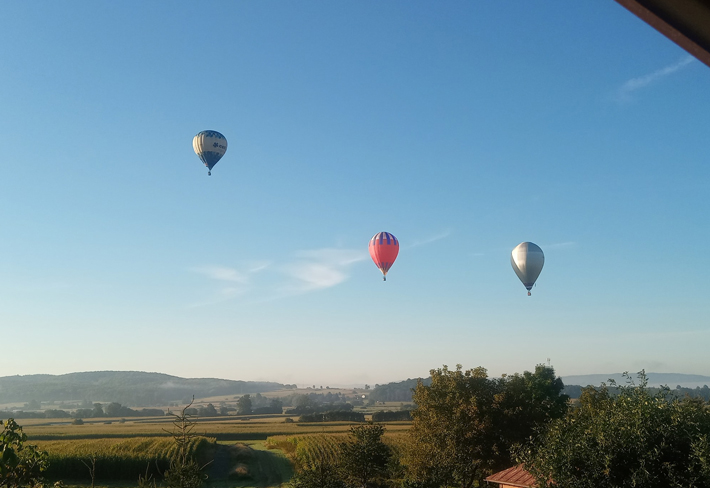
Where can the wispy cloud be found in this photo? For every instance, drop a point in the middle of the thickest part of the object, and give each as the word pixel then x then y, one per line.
pixel 634 84
pixel 559 245
pixel 232 281
pixel 429 240
pixel 305 271
pixel 320 268
pixel 221 273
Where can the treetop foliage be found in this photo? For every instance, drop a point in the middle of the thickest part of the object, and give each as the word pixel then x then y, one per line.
pixel 466 423
pixel 630 438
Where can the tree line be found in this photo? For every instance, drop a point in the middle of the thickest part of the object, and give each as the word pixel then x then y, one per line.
pixel 467 426
pixel 113 409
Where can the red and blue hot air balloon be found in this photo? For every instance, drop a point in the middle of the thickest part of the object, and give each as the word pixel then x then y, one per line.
pixel 384 248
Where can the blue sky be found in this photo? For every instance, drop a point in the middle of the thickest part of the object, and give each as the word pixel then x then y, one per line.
pixel 463 128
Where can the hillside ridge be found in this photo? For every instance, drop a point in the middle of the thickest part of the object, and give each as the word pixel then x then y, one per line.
pixel 131 388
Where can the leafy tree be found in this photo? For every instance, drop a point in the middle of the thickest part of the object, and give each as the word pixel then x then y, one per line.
pixel 84 413
pixel 115 409
pixel 208 411
pixel 304 403
pixel 276 405
pixel 244 405
pixel 98 410
pixel 466 424
pixel 364 458
pixel 21 464
pixel 55 414
pixel 453 434
pixel 320 475
pixel 633 438
pixel 527 401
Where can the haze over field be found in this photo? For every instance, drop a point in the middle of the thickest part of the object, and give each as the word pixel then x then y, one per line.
pixel 462 128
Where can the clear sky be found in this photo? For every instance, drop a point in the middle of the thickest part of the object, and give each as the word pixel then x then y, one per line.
pixel 462 127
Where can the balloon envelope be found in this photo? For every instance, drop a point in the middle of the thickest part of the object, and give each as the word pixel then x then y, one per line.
pixel 210 146
pixel 384 248
pixel 527 260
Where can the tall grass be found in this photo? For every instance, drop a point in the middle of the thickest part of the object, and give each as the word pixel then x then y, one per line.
pixel 312 449
pixel 116 459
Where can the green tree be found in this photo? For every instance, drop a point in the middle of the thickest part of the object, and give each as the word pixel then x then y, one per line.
pixel 320 475
pixel 304 403
pixel 466 424
pixel 244 405
pixel 98 410
pixel 276 405
pixel 525 402
pixel 364 458
pixel 453 436
pixel 627 438
pixel 208 411
pixel 21 464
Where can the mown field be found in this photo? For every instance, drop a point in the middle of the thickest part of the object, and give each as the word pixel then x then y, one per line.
pixel 257 451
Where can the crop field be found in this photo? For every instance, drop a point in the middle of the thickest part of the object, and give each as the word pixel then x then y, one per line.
pixel 119 459
pixel 220 428
pixel 238 451
pixel 311 449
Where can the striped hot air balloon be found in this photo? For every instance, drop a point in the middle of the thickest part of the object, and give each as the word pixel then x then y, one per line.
pixel 384 248
pixel 527 260
pixel 210 146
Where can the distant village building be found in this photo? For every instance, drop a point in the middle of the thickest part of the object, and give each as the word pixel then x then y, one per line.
pixel 515 477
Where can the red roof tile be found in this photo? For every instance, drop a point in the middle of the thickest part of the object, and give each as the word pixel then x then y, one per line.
pixel 515 476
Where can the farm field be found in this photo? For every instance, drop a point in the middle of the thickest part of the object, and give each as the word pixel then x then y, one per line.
pixel 239 451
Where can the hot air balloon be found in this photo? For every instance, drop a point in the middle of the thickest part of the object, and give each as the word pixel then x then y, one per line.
pixel 384 248
pixel 210 146
pixel 527 260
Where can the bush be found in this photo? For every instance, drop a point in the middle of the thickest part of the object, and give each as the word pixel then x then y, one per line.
pixel 21 464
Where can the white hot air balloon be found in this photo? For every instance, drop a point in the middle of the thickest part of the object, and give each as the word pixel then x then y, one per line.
pixel 210 146
pixel 527 260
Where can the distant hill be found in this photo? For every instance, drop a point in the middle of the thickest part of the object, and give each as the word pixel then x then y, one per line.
pixel 131 388
pixel 654 379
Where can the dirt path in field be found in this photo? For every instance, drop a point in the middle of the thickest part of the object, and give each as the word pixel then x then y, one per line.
pixel 239 462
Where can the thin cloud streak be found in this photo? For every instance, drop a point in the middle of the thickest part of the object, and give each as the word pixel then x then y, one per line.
pixel 239 282
pixel 559 245
pixel 635 84
pixel 320 268
pixel 221 273
pixel 424 242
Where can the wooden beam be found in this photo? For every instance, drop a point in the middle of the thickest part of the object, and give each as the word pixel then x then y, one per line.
pixel 685 22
